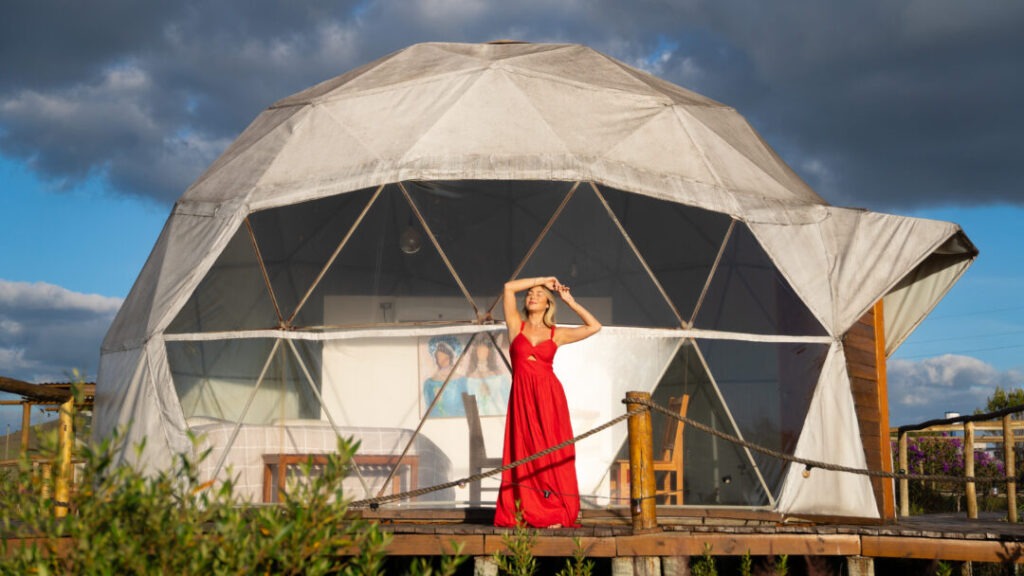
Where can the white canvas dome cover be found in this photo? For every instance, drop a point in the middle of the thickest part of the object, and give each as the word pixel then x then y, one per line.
pixel 305 284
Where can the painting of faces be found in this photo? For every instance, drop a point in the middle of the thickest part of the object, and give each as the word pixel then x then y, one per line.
pixel 474 364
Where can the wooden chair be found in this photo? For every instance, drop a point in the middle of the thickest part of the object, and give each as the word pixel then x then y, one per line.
pixel 668 468
pixel 478 459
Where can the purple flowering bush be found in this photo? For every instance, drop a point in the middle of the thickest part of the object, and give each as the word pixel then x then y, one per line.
pixel 943 455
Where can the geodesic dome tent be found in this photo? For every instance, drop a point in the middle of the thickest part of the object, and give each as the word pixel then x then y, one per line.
pixel 337 271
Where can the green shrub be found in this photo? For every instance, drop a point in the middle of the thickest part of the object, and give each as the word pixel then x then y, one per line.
pixel 579 565
pixel 168 522
pixel 517 558
pixel 705 565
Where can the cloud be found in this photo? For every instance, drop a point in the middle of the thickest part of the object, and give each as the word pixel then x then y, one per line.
pixel 921 390
pixel 47 331
pixel 879 104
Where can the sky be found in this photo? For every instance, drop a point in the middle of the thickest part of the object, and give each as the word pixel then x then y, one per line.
pixel 909 107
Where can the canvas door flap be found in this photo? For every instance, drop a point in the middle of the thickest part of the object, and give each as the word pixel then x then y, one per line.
pixel 831 435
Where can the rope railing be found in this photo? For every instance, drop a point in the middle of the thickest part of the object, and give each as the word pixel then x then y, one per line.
pixel 811 464
pixel 375 502
pixel 650 406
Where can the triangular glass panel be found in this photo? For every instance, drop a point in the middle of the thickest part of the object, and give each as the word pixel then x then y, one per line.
pixel 215 379
pixel 678 242
pixel 748 294
pixel 388 272
pixel 716 472
pixel 486 227
pixel 587 252
pixel 232 296
pixel 297 240
pixel 768 388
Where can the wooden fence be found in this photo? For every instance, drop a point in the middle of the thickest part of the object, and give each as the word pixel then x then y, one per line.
pixel 1009 436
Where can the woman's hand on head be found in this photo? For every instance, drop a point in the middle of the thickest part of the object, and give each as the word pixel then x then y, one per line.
pixel 563 292
pixel 551 283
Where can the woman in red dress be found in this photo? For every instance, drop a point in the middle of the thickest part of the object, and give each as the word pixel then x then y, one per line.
pixel 538 415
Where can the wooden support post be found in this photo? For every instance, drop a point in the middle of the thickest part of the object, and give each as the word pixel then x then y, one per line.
pixel 860 566
pixel 484 566
pixel 904 483
pixel 885 444
pixel 45 468
pixel 641 467
pixel 26 427
pixel 970 491
pixel 1010 460
pixel 678 565
pixel 65 441
pixel 639 566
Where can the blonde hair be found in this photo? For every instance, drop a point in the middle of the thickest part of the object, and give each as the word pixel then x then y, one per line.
pixel 549 314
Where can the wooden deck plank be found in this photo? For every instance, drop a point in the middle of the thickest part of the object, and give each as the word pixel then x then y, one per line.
pixel 942 549
pixel 682 544
pixel 435 544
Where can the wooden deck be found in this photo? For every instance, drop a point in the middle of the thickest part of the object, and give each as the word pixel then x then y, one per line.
pixel 684 532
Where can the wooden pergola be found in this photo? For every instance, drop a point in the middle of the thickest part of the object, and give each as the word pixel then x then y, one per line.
pixel 62 395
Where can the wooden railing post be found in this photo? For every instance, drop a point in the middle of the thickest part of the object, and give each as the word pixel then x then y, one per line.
pixel 26 427
pixel 642 506
pixel 904 483
pixel 1010 461
pixel 970 492
pixel 65 440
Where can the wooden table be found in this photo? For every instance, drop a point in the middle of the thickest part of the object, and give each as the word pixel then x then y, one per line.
pixel 282 461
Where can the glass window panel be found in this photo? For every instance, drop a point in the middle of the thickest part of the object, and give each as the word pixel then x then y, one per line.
pixel 768 388
pixel 679 243
pixel 215 379
pixel 588 253
pixel 717 472
pixel 748 294
pixel 296 241
pixel 388 272
pixel 486 227
pixel 403 376
pixel 232 296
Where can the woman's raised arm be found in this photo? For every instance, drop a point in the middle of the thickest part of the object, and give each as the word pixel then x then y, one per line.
pixel 590 324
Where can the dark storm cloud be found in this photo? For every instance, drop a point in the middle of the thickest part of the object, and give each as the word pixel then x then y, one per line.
pixel 888 104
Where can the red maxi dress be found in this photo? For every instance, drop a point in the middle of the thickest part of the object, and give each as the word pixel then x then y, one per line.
pixel 538 418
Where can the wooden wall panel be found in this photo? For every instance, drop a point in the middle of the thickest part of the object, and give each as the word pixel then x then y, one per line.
pixel 865 361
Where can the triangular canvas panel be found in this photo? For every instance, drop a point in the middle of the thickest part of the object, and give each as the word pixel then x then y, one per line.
pixel 741 158
pixel 383 125
pixel 850 258
pixel 662 143
pixel 593 71
pixel 388 272
pixel 416 66
pixel 232 296
pixel 748 294
pixel 767 387
pixel 586 251
pixel 486 227
pixel 570 111
pixel 470 128
pixel 678 242
pixel 240 167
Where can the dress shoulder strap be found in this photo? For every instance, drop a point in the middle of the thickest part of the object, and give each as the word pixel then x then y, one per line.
pixel 552 332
